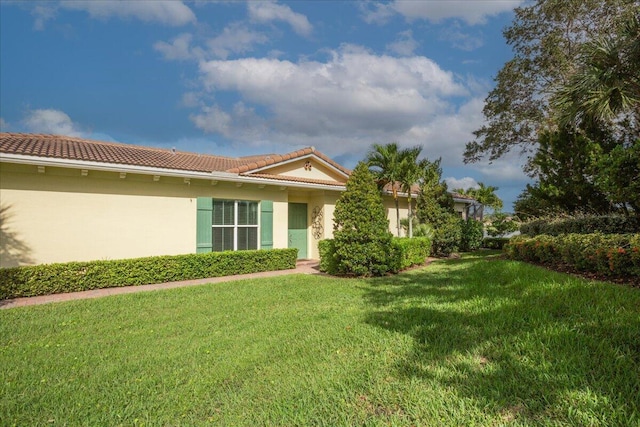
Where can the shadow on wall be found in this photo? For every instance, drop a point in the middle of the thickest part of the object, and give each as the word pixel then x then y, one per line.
pixel 13 251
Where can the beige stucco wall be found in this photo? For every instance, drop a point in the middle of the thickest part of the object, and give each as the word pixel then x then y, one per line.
pixel 60 216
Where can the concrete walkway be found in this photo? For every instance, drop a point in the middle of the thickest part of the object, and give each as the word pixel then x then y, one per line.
pixel 302 267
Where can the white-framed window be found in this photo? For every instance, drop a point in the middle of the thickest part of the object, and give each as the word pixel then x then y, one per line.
pixel 235 225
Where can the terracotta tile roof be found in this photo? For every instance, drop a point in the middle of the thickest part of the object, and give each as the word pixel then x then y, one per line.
pixel 273 159
pixel 462 196
pixel 71 148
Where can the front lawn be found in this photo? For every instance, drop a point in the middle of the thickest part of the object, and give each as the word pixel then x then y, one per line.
pixel 476 341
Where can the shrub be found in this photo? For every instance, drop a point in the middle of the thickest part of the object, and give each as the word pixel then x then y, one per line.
pixel 328 260
pixel 472 232
pixel 361 228
pixel 411 251
pixel 500 224
pixel 82 276
pixel 605 224
pixel 446 237
pixel 404 253
pixel 495 242
pixel 614 255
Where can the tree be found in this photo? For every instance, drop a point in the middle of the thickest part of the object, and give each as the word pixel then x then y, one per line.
pixel 607 81
pixel 619 177
pixel 396 167
pixel 486 195
pixel 361 228
pixel 410 173
pixel 435 203
pixel 547 38
pixel 384 163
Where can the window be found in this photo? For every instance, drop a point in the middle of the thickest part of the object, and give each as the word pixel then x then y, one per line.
pixel 235 225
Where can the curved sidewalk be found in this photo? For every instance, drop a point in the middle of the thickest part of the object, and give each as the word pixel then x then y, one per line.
pixel 302 267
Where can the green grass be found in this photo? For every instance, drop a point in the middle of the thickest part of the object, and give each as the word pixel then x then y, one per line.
pixel 477 341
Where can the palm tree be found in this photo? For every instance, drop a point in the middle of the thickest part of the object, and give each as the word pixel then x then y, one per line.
pixel 410 173
pixel 397 168
pixel 607 82
pixel 486 195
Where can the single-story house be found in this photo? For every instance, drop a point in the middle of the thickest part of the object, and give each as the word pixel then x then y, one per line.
pixel 71 199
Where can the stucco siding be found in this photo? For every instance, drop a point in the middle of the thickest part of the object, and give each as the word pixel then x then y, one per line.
pixel 60 215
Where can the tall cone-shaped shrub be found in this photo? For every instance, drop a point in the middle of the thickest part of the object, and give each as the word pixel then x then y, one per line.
pixel 361 228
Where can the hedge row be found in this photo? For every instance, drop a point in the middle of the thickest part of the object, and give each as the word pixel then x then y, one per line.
pixel 605 224
pixel 82 276
pixel 495 242
pixel 614 255
pixel 404 253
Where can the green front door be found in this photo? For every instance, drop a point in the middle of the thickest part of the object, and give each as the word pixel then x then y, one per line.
pixel 298 228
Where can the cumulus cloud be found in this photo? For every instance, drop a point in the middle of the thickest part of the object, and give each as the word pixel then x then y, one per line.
pixel 212 120
pixel 463 183
pixel 4 126
pixel 353 90
pixel 166 12
pixel 235 38
pixel 179 49
pixel 472 12
pixel 404 45
pixel 340 105
pixel 268 11
pixel 51 121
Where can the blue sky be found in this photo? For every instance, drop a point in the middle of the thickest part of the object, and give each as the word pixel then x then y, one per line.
pixel 237 78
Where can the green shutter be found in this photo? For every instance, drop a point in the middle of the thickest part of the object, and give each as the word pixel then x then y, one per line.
pixel 204 240
pixel 266 224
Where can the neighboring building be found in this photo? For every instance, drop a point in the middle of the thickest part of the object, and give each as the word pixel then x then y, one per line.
pixel 70 199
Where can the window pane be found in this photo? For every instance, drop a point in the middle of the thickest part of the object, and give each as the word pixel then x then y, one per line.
pixel 223 212
pixel 229 217
pixel 218 212
pixel 222 239
pixel 247 238
pixel 247 213
pixel 243 212
pixel 253 213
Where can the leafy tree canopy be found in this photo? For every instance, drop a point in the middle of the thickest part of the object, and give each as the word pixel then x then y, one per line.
pixel 548 39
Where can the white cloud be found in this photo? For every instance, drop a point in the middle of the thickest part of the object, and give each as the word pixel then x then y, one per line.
pixel 341 105
pixel 507 169
pixel 4 126
pixel 167 12
pixel 473 12
pixel 464 183
pixel 235 38
pixel 42 13
pixel 52 122
pixel 212 120
pixel 267 11
pixel 179 49
pixel 354 90
pixel 404 45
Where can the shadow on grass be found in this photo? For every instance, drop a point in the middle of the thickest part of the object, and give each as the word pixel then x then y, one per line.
pixel 523 342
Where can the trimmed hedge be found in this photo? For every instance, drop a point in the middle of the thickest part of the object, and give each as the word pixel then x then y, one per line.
pixel 82 276
pixel 411 251
pixel 404 253
pixel 606 224
pixel 613 255
pixel 495 242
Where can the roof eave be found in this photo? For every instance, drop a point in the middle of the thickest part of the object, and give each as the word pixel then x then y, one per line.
pixel 145 170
